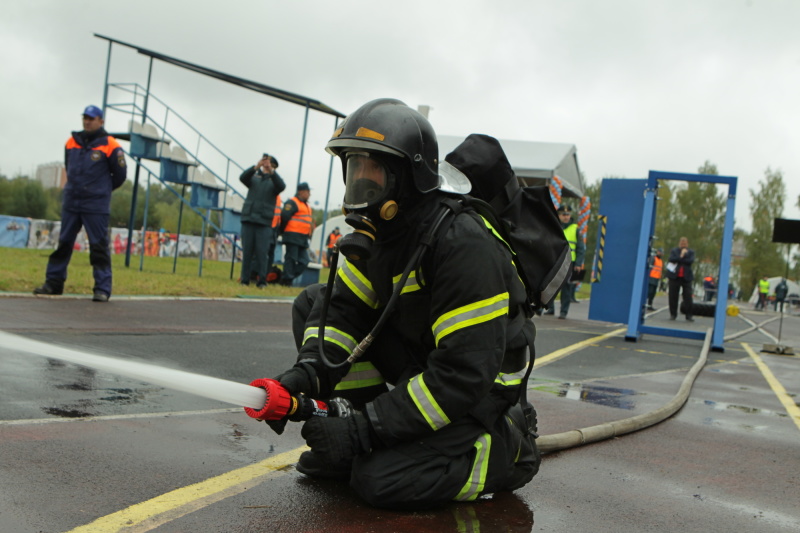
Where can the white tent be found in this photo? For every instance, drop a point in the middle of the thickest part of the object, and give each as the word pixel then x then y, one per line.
pixel 534 163
pixel 794 289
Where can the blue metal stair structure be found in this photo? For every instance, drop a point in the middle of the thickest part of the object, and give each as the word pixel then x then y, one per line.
pixel 166 143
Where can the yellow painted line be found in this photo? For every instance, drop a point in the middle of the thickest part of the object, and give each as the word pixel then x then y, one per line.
pixel 777 388
pixel 563 352
pixel 152 513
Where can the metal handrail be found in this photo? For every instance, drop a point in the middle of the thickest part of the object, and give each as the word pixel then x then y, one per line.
pixel 137 111
pixel 207 220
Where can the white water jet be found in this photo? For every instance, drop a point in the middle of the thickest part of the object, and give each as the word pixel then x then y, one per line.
pixel 206 386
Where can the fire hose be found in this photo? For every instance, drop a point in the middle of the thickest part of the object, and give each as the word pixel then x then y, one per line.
pixel 267 399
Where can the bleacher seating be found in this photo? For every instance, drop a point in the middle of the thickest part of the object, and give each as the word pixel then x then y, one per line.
pixel 175 164
pixel 144 140
pixel 234 202
pixel 205 190
pixel 232 214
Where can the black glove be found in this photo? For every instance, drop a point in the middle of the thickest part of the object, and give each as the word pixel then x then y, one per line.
pixel 296 380
pixel 338 439
pixel 277 425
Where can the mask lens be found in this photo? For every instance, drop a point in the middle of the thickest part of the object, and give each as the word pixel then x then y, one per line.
pixel 365 181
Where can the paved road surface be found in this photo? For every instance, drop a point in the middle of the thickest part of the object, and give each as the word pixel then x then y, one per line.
pixel 84 450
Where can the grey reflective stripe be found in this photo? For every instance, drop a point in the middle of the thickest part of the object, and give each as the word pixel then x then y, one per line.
pixel 477 477
pixel 469 315
pixel 361 375
pixel 558 280
pixel 359 284
pixel 333 335
pixel 410 285
pixel 512 379
pixel 426 403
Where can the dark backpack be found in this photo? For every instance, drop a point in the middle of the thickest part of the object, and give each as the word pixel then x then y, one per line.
pixel 523 216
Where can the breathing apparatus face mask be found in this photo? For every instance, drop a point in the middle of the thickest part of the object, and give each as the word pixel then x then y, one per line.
pixel 368 200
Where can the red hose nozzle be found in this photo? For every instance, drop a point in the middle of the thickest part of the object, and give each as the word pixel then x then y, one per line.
pixel 278 403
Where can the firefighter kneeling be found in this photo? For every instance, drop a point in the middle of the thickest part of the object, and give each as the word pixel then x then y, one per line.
pixel 454 345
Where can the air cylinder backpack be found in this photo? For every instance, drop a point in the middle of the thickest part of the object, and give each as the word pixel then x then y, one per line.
pixel 523 216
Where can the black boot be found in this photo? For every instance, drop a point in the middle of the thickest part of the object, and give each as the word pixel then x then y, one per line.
pixel 312 464
pixel 50 289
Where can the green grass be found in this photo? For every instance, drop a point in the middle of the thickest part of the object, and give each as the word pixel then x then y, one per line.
pixel 22 270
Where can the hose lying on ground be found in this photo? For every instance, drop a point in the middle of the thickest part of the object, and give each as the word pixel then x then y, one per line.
pixel 578 437
pixel 753 327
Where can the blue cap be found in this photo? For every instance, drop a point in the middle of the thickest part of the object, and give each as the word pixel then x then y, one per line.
pixel 93 111
pixel 303 186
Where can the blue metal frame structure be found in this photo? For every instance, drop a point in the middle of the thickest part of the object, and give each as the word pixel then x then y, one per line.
pixel 635 316
pixel 308 103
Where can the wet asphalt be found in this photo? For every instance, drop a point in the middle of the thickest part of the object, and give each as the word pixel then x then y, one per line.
pixel 84 450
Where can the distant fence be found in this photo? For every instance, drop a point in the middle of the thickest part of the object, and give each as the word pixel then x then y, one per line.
pixel 19 232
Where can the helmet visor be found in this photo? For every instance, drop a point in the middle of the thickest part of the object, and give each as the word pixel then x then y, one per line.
pixel 366 181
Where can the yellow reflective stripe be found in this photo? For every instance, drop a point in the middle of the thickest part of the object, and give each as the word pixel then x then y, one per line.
pixel 359 284
pixel 496 234
pixel 468 315
pixel 410 285
pixel 426 403
pixel 361 375
pixel 510 380
pixel 477 477
pixel 332 335
pixel 501 239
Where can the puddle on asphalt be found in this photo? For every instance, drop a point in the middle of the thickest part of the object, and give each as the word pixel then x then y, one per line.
pixel 94 399
pixel 66 413
pixel 591 393
pixel 723 406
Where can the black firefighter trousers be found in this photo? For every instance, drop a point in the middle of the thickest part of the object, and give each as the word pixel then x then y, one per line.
pixel 456 463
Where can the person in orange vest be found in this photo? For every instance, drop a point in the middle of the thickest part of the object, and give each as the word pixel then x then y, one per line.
pixel 710 288
pixel 296 228
pixel 656 268
pixel 332 238
pixel 273 243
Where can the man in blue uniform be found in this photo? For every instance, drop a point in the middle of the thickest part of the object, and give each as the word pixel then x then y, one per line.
pixel 95 164
pixel 454 344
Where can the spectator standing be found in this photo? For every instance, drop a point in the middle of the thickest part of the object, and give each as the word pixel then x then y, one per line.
pixel 273 244
pixel 680 275
pixel 781 290
pixel 95 164
pixel 709 287
pixel 656 269
pixel 332 238
pixel 297 225
pixel 763 292
pixel 578 250
pixel 263 184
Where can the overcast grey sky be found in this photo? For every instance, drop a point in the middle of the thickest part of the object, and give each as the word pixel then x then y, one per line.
pixel 635 85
